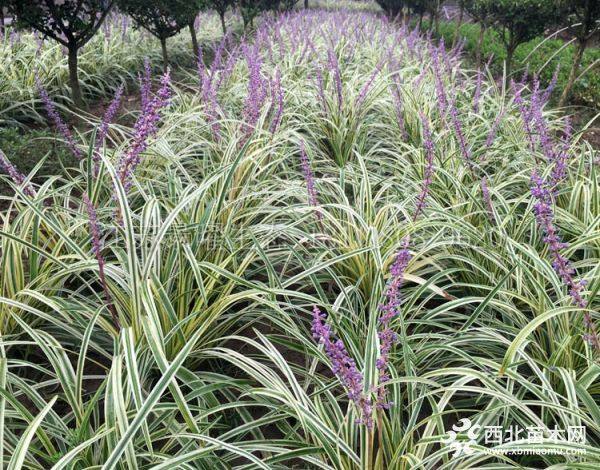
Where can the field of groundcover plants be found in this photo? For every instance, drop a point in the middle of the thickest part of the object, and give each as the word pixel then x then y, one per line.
pixel 331 246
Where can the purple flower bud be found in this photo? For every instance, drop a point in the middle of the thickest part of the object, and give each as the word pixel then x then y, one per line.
pixel 17 177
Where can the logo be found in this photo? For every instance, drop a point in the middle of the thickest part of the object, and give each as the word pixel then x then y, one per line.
pixel 463 447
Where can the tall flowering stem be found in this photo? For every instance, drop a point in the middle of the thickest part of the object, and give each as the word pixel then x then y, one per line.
pixel 144 129
pixel 94 227
pixel 57 120
pixel 17 177
pixel 208 93
pixel 396 88
pixel 389 309
pixel 276 101
pixel 477 95
pixel 429 168
pixel 458 130
pixel 544 215
pixel 309 179
pixel 343 366
pixel 334 67
pixel 108 117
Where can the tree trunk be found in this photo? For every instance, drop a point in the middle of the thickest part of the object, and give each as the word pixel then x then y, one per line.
pixel 223 24
pixel 461 16
pixel 573 74
pixel 436 21
pixel 421 20
pixel 195 47
pixel 165 54
pixel 479 51
pixel 73 76
pixel 305 3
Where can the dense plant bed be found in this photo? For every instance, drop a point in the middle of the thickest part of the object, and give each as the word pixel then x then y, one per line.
pixel 331 246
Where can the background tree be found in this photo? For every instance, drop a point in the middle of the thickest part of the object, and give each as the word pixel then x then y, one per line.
pixel 392 8
pixel 221 7
pixel 519 21
pixel 585 14
pixel 71 23
pixel 287 5
pixel 433 8
pixel 163 19
pixel 250 9
pixel 3 5
pixel 479 10
pixel 199 6
pixel 419 8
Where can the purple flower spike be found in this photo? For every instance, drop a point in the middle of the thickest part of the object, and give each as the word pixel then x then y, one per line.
pixel 257 91
pixel 144 129
pixel 343 366
pixel 97 250
pixel 17 177
pixel 276 101
pixel 389 310
pixel 544 215
pixel 108 117
pixel 57 120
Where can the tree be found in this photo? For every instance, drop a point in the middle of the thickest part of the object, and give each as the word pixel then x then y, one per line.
pixel 71 23
pixel 221 7
pixel 479 10
pixel 392 8
pixel 519 21
pixel 418 7
pixel 163 19
pixel 585 14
